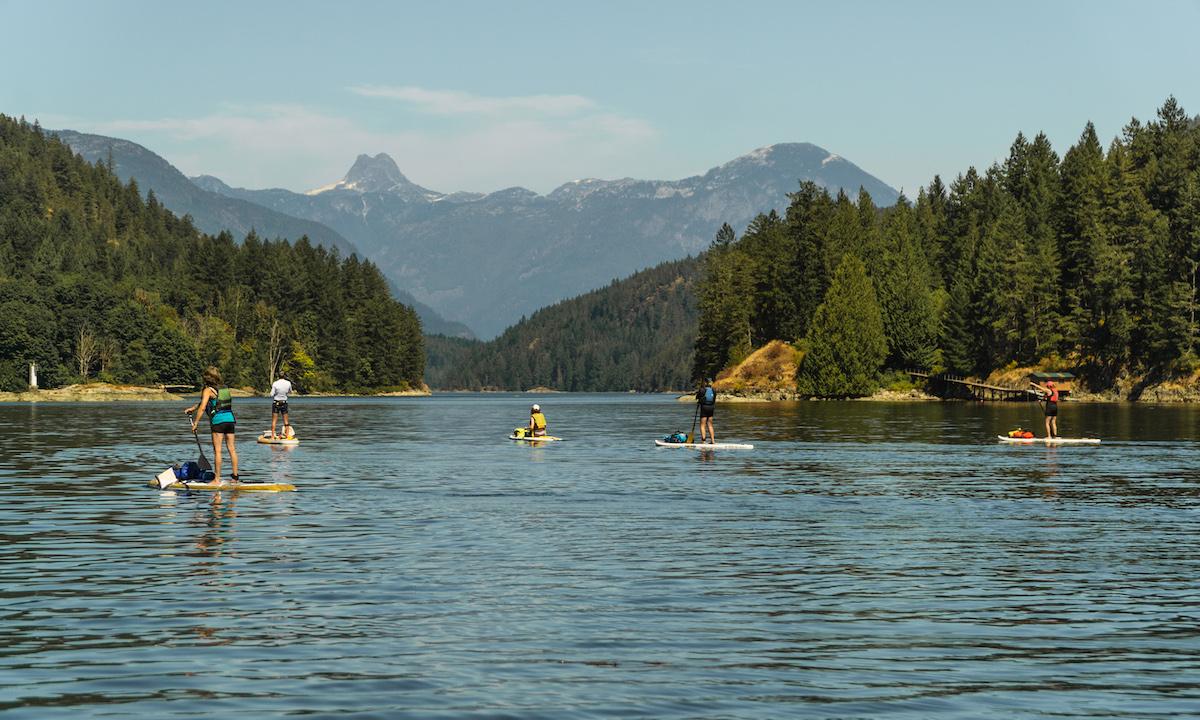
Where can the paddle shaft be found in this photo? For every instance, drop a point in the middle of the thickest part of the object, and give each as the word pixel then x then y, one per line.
pixel 695 416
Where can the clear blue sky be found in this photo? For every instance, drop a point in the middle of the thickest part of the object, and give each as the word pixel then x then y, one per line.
pixel 481 96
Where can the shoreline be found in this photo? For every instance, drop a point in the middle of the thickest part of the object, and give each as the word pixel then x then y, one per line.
pixel 1167 393
pixel 104 392
pixel 1155 395
pixel 92 392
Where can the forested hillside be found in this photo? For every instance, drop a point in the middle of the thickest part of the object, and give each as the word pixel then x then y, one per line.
pixel 1087 262
pixel 635 334
pixel 96 283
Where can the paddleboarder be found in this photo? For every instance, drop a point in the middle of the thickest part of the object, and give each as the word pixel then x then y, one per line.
pixel 1049 394
pixel 217 402
pixel 706 397
pixel 537 422
pixel 279 405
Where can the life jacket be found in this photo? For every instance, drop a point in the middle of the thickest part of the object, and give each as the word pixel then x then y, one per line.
pixel 1053 396
pixel 710 396
pixel 223 402
pixel 539 421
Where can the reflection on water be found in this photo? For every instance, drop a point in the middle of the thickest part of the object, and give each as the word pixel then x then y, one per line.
pixel 864 560
pixel 218 528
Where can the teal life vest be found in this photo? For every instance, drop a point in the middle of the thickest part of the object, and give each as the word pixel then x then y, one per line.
pixel 222 403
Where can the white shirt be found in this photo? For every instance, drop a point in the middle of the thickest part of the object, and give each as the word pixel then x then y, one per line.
pixel 280 389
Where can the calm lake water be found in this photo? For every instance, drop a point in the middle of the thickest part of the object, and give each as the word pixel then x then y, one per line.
pixel 866 560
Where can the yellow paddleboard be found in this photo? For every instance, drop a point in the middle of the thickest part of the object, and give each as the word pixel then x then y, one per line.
pixel 234 487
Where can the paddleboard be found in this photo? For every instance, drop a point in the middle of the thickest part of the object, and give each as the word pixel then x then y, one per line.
pixel 1049 441
pixel 284 441
pixel 536 438
pixel 235 487
pixel 704 446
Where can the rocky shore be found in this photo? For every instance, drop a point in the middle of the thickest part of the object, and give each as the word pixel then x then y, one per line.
pixel 103 392
pixel 91 392
pixel 769 375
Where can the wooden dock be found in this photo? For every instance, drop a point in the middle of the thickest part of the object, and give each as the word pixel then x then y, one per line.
pixel 950 387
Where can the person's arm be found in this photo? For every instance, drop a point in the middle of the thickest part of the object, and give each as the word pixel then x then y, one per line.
pixel 196 410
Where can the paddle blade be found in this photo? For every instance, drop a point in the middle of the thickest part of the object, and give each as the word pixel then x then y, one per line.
pixel 689 439
pixel 202 463
pixel 165 478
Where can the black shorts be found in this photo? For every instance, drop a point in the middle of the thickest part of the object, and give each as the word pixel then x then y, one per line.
pixel 707 410
pixel 226 428
pixel 1051 409
pixel 279 407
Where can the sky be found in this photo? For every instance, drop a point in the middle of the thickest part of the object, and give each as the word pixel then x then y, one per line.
pixel 483 96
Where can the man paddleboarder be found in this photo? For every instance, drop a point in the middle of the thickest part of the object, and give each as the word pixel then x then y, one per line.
pixel 279 405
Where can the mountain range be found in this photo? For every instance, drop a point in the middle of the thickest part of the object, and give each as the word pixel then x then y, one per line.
pixel 214 212
pixel 483 261
pixel 488 260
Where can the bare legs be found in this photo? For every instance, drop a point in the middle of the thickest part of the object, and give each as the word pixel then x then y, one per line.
pixel 233 458
pixel 1051 426
pixel 706 422
pixel 274 418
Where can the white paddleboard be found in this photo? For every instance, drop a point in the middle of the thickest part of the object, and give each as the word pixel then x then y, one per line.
pixel 704 446
pixel 1049 441
pixel 282 441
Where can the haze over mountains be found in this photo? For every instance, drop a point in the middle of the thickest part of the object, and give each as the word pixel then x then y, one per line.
pixel 213 212
pixel 486 260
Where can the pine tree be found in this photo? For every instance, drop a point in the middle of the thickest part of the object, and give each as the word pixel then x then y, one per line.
pixel 808 219
pixel 845 346
pixel 902 286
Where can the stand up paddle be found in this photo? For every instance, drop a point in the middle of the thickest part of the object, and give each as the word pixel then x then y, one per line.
pixel 695 416
pixel 202 463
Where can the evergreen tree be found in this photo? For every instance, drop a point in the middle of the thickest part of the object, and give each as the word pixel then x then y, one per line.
pixel 902 286
pixel 845 346
pixel 807 224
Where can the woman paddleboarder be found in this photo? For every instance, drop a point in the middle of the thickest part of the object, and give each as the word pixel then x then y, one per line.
pixel 1049 394
pixel 218 403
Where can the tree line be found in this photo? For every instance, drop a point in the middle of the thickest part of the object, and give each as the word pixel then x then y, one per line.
pixel 635 334
pixel 98 284
pixel 1087 261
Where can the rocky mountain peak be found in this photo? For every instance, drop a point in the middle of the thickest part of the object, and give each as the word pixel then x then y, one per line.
pixel 374 174
pixel 381 175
